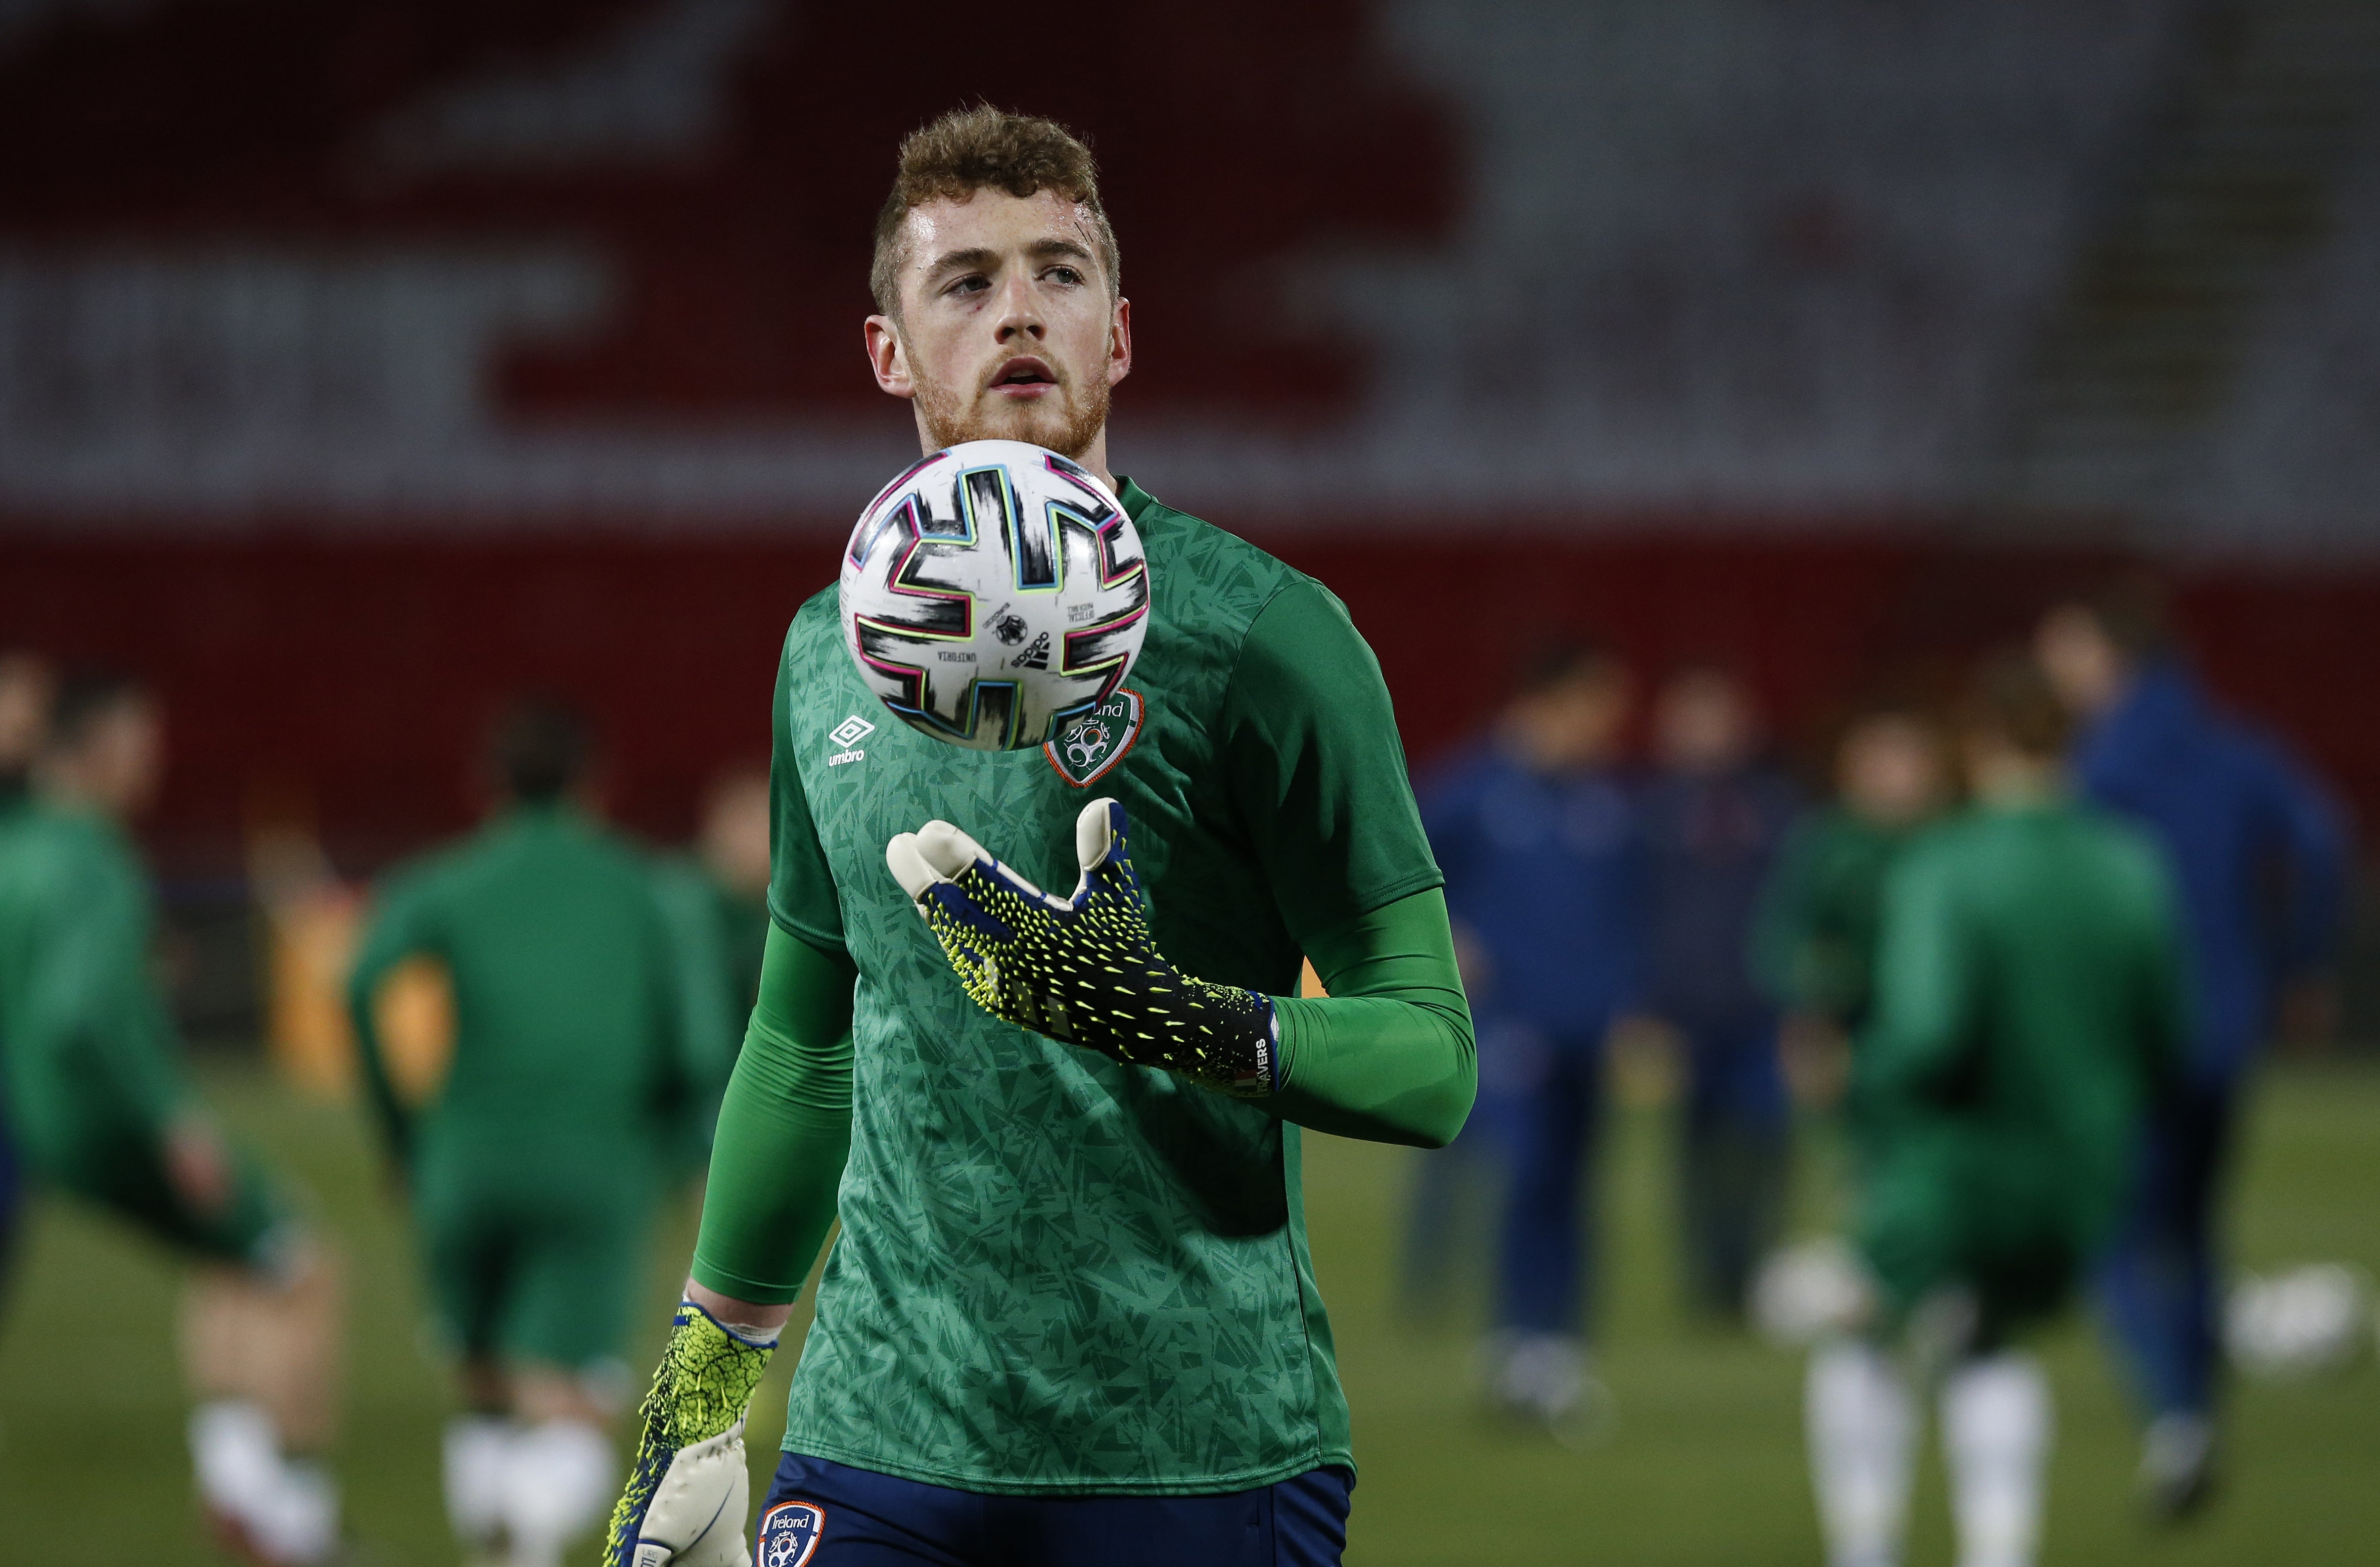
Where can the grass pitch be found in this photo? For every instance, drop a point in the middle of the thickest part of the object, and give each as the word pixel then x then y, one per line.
pixel 1705 1464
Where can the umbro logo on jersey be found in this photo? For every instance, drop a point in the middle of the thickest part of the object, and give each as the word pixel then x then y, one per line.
pixel 845 735
pixel 1098 739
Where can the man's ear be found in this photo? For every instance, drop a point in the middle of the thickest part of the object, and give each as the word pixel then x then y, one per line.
pixel 889 357
pixel 1119 341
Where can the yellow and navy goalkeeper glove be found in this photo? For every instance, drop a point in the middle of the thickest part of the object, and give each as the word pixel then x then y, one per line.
pixel 1083 969
pixel 687 1498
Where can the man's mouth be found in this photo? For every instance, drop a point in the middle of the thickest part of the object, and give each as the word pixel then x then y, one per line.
pixel 1023 378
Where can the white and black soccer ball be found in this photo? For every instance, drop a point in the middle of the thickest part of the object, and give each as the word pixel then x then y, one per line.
pixel 994 595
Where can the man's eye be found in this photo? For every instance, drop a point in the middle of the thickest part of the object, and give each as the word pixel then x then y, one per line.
pixel 975 284
pixel 1065 275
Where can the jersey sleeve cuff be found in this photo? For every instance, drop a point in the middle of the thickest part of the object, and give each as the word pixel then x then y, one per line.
pixel 735 1287
pixel 829 941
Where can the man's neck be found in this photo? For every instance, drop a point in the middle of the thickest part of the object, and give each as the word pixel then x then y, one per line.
pixel 2019 785
pixel 1093 460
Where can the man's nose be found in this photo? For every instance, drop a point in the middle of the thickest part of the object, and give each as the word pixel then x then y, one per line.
pixel 1020 313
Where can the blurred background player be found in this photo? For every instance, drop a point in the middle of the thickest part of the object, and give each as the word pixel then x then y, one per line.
pixel 1713 816
pixel 715 897
pixel 2260 854
pixel 1822 909
pixel 1535 830
pixel 2029 1009
pixel 100 1106
pixel 534 1168
pixel 25 687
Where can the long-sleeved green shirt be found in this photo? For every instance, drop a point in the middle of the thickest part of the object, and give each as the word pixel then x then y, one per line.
pixel 2028 1004
pixel 1387 1056
pixel 569 1025
pixel 86 1037
pixel 1058 1272
pixel 1822 913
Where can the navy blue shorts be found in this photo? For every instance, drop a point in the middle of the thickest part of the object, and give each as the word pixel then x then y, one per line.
pixel 825 1514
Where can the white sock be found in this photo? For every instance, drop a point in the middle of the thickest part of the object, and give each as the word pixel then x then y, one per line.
pixel 298 1523
pixel 559 1476
pixel 1861 1426
pixel 289 1510
pixel 236 1453
pixel 476 1449
pixel 1996 1434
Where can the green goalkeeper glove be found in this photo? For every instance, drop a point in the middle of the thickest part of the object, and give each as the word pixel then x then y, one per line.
pixel 687 1498
pixel 1083 969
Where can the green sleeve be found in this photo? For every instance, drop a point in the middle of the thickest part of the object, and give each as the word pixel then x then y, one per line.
pixel 785 1129
pixel 403 926
pixel 1785 928
pixel 1388 1055
pixel 1316 769
pixel 801 889
pixel 94 991
pixel 1926 988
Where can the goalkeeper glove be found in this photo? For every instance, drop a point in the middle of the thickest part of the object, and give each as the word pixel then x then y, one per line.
pixel 1083 969
pixel 686 1497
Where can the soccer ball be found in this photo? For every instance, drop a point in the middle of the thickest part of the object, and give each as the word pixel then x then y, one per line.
pixel 994 595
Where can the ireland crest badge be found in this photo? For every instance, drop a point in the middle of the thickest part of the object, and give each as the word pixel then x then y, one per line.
pixel 789 1534
pixel 1098 739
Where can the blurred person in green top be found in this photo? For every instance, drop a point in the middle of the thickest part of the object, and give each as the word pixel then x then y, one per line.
pixel 2028 1011
pixel 100 1106
pixel 24 685
pixel 1814 946
pixel 534 1167
pixel 716 900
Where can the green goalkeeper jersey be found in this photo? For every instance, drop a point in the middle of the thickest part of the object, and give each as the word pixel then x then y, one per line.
pixel 1057 1273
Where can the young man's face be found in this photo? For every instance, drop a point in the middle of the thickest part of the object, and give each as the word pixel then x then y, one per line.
pixel 119 760
pixel 2082 661
pixel 1891 771
pixel 1703 722
pixel 1007 329
pixel 24 707
pixel 1574 722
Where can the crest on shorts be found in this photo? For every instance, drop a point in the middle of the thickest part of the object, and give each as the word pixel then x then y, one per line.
pixel 1097 740
pixel 789 1533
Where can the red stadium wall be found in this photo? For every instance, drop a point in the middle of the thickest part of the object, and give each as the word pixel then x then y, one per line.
pixel 354 679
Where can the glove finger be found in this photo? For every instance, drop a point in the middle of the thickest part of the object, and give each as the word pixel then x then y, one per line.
pixel 1098 828
pixel 909 866
pixel 1103 848
pixel 947 849
pixel 956 855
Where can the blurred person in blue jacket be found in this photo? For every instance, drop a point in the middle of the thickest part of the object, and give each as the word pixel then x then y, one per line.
pixel 1534 827
pixel 1713 818
pixel 2260 854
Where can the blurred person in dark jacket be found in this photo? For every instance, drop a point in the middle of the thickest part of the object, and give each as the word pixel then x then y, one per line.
pixel 2260 854
pixel 1534 827
pixel 1712 816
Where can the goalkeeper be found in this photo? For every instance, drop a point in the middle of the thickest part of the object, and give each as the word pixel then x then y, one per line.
pixel 1070 1317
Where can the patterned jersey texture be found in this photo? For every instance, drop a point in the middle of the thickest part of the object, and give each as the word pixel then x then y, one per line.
pixel 1059 1272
